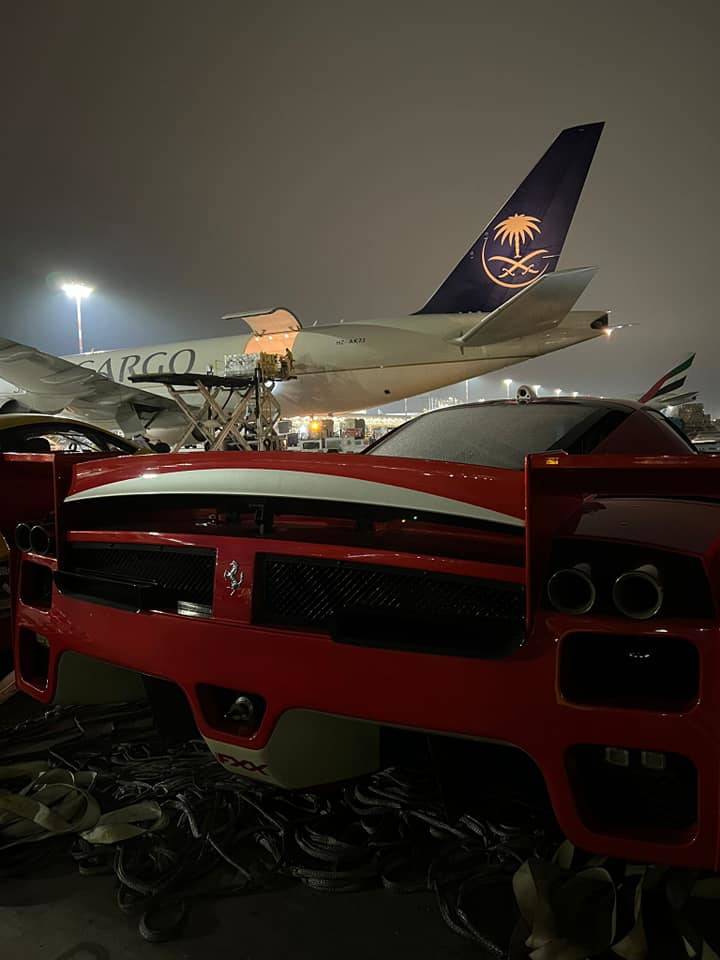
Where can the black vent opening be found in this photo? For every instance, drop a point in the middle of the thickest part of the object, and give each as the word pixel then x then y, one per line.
pixel 390 607
pixel 33 657
pixel 36 585
pixel 138 577
pixel 650 794
pixel 634 672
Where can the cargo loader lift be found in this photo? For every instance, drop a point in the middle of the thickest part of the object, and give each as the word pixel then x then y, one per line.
pixel 235 411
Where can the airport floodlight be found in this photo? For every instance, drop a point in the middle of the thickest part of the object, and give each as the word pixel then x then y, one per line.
pixel 77 292
pixel 508 384
pixel 558 391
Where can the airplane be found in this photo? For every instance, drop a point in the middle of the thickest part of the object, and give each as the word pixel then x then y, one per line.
pixel 502 304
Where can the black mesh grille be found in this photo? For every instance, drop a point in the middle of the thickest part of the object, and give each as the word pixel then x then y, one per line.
pixel 185 573
pixel 389 607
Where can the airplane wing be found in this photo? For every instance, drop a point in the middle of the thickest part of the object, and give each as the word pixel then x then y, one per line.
pixel 260 322
pixel 535 309
pixel 48 384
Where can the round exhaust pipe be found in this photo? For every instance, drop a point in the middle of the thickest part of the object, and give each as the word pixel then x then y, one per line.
pixel 638 594
pixel 571 589
pixel 40 539
pixel 22 537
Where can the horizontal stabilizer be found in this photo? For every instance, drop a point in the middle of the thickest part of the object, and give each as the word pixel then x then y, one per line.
pixel 673 400
pixel 537 308
pixel 260 322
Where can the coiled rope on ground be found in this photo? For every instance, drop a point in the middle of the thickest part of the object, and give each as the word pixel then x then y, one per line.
pixel 175 827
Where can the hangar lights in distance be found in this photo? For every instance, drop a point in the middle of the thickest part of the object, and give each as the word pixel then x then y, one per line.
pixel 77 292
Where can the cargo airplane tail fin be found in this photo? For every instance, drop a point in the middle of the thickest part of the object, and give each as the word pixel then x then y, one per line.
pixel 524 239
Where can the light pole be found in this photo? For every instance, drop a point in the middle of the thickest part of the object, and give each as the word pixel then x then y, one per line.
pixel 508 384
pixel 77 292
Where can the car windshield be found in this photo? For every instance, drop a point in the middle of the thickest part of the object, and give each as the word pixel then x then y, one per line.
pixel 492 434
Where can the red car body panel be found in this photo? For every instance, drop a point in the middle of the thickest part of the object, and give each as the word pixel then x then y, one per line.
pixel 671 504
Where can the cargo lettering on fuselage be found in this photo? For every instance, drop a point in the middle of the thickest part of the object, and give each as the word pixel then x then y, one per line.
pixel 182 361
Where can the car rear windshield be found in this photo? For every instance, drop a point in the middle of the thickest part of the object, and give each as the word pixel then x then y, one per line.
pixel 495 435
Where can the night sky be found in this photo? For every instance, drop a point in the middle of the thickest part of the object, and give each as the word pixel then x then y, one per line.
pixel 196 158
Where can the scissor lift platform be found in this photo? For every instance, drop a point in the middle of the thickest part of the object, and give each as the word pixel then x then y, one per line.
pixel 236 411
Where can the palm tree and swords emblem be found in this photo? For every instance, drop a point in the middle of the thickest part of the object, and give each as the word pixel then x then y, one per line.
pixel 519 270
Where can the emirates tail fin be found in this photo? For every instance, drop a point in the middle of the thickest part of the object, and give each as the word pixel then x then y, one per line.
pixel 665 391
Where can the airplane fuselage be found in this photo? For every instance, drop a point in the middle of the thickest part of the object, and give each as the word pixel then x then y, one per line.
pixel 349 366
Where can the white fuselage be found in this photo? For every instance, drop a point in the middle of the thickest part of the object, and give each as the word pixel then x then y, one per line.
pixel 352 366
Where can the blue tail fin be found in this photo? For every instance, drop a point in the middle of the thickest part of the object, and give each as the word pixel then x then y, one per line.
pixel 524 239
